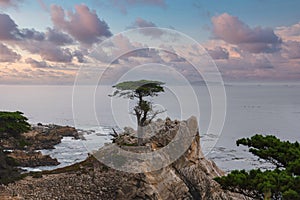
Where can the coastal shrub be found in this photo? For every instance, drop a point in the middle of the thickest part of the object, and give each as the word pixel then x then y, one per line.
pixel 280 183
pixel 13 124
pixel 8 172
pixel 23 143
pixel 11 161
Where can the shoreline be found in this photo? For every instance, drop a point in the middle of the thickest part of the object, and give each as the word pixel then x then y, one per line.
pixel 224 157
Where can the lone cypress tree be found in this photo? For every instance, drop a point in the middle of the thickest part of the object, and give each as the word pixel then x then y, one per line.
pixel 138 90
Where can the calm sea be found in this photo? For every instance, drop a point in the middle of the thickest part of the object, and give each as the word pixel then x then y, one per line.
pixel 251 108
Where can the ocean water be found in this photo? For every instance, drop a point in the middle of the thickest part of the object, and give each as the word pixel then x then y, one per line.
pixel 250 109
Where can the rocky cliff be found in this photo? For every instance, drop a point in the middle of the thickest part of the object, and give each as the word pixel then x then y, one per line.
pixel 189 177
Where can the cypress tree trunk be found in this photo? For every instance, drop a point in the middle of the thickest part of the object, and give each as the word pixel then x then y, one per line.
pixel 267 195
pixel 140 134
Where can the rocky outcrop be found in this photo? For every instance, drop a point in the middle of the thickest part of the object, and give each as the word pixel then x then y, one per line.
pixel 189 177
pixel 47 136
pixel 32 159
pixel 23 148
pixel 40 137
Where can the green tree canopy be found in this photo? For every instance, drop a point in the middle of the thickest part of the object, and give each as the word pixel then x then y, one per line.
pixel 143 111
pixel 270 148
pixel 281 183
pixel 13 123
pixel 138 89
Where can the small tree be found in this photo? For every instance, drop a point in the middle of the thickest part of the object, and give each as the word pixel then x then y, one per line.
pixel 143 111
pixel 13 123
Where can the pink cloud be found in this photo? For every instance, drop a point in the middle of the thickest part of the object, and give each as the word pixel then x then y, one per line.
pixel 218 53
pixel 9 3
pixel 37 64
pixel 117 46
pixel 47 44
pixel 36 76
pixel 255 40
pixel 43 5
pixel 291 49
pixel 141 23
pixel 84 25
pixel 48 51
pixel 289 32
pixel 8 55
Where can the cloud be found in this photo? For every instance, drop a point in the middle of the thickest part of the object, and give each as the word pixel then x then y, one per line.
pixel 35 76
pixel 141 23
pixel 48 51
pixel 57 37
pixel 248 58
pixel 79 55
pixel 7 55
pixel 31 34
pixel 169 56
pixel 289 32
pixel 9 30
pixel 246 67
pixel 9 3
pixel 243 65
pixel 255 40
pixel 49 44
pixel 84 25
pixel 123 5
pixel 114 48
pixel 37 64
pixel 141 56
pixel 43 5
pixel 291 49
pixel 218 53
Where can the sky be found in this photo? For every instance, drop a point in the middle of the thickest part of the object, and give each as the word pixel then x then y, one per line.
pixel 52 41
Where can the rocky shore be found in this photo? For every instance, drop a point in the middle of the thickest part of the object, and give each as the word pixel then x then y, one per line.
pixel 23 149
pixel 47 136
pixel 191 176
pixel 32 159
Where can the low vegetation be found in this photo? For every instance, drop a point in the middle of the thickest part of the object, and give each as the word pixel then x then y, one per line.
pixel 281 183
pixel 12 124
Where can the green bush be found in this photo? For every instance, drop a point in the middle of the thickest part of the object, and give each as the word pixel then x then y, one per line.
pixel 13 123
